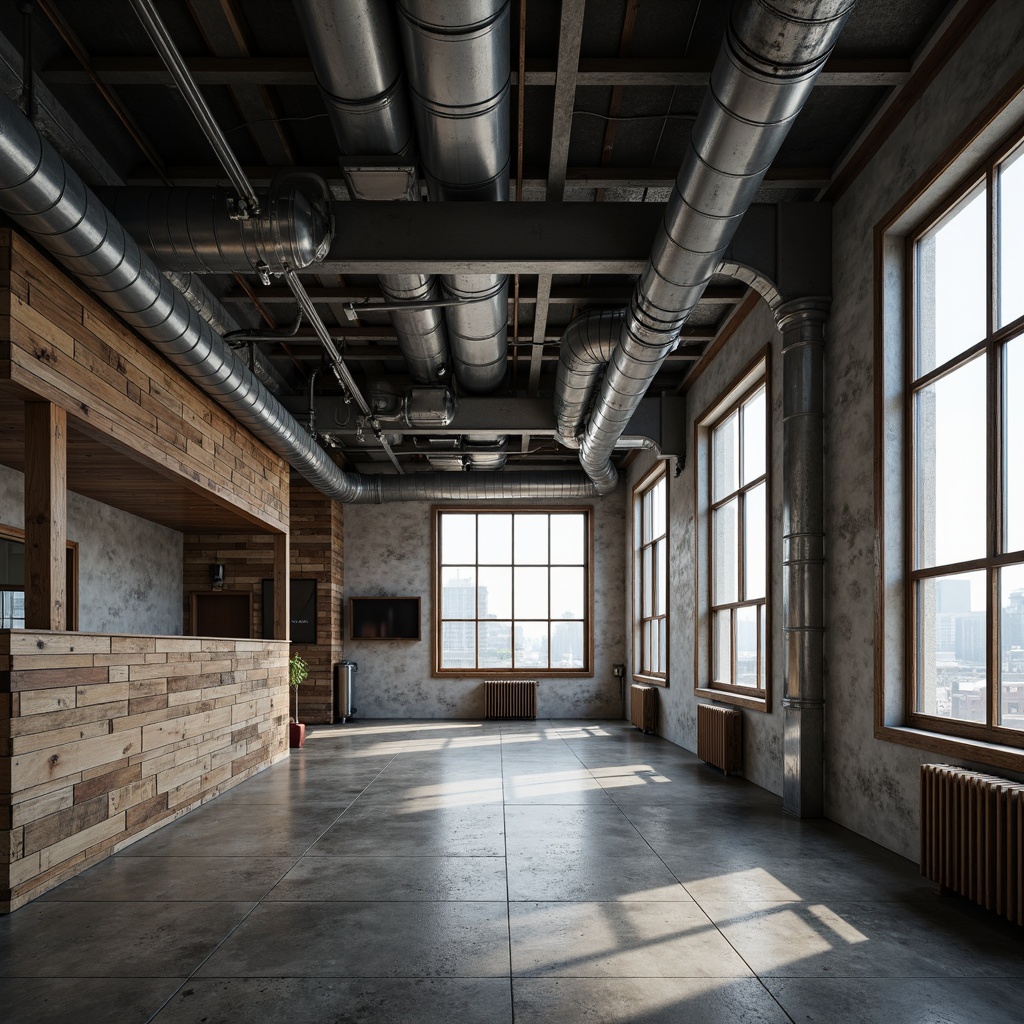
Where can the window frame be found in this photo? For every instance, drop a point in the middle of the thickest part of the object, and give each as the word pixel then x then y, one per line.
pixel 437 511
pixel 982 176
pixel 643 673
pixel 993 133
pixel 755 375
pixel 16 533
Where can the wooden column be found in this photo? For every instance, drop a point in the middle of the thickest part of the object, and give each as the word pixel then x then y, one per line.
pixel 46 516
pixel 282 587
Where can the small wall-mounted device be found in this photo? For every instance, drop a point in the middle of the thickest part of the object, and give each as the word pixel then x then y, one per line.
pixel 216 574
pixel 618 670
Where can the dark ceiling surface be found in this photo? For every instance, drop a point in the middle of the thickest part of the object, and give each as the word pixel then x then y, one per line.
pixel 640 77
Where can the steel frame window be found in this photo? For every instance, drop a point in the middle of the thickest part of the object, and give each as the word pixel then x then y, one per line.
pixel 737 533
pixel 513 591
pixel 964 473
pixel 650 577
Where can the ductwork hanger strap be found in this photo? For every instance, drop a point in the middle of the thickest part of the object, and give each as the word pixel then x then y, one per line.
pixel 249 204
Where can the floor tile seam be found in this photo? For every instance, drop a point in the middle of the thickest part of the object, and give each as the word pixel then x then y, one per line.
pixel 246 916
pixel 504 839
pixel 635 977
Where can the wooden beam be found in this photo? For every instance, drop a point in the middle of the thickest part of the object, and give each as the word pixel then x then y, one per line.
pixel 569 38
pixel 282 586
pixel 46 516
pixel 540 325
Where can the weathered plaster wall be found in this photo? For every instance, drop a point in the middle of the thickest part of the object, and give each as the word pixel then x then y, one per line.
pixel 871 786
pixel 762 732
pixel 129 569
pixel 388 553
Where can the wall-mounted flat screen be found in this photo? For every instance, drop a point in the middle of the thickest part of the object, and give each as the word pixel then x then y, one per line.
pixel 301 607
pixel 384 618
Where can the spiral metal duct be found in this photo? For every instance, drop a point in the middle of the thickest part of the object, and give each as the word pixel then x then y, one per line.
pixel 357 61
pixel 457 60
pixel 212 310
pixel 192 229
pixel 587 345
pixel 47 198
pixel 771 55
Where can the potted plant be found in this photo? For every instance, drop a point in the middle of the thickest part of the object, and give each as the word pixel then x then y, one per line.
pixel 298 670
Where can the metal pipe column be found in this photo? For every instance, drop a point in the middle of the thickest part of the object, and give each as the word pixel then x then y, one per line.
pixel 802 323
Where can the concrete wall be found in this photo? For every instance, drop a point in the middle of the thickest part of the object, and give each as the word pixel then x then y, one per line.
pixel 388 553
pixel 129 569
pixel 871 786
pixel 762 732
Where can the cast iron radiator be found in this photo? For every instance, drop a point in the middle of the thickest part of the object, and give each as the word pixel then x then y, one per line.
pixel 972 836
pixel 510 698
pixel 643 707
pixel 720 736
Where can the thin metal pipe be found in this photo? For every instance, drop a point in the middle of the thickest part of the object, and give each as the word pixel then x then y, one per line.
pixel 186 84
pixel 338 367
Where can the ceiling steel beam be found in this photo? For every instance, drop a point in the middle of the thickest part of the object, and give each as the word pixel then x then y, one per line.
pixel 209 175
pixel 661 419
pixel 366 298
pixel 606 71
pixel 541 238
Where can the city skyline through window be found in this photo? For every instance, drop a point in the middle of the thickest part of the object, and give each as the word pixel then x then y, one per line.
pixel 966 389
pixel 513 591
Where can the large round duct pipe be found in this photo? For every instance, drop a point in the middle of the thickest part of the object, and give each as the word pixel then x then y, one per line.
pixel 771 55
pixel 587 345
pixel 47 198
pixel 192 229
pixel 457 60
pixel 359 70
pixel 357 60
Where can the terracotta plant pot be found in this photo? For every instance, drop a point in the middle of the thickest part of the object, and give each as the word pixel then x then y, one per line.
pixel 296 734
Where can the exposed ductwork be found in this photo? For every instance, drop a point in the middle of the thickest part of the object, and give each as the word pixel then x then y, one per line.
pixel 358 65
pixel 358 68
pixel 457 59
pixel 196 229
pixel 47 198
pixel 212 310
pixel 587 345
pixel 771 55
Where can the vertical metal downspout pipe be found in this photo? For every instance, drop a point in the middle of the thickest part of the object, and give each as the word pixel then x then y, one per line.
pixel 358 65
pixel 45 196
pixel 771 55
pixel 458 63
pixel 802 323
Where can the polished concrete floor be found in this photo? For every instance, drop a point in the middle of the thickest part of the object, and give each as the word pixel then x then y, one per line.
pixel 488 872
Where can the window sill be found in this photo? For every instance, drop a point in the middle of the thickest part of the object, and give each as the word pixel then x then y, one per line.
pixel 739 699
pixel 650 681
pixel 993 754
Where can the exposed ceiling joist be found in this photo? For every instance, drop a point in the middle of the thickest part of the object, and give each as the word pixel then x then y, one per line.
pixel 610 71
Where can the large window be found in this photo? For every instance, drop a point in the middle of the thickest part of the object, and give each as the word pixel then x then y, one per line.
pixel 650 577
pixel 513 592
pixel 965 471
pixel 732 536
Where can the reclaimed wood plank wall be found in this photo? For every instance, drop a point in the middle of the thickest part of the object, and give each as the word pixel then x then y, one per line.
pixel 61 345
pixel 104 739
